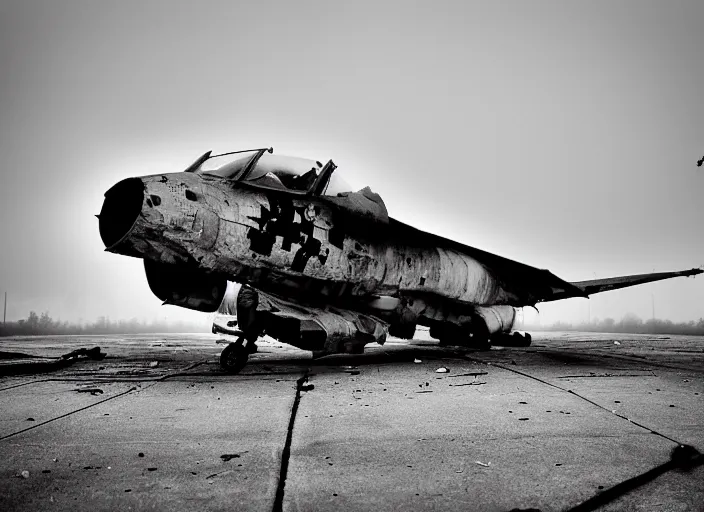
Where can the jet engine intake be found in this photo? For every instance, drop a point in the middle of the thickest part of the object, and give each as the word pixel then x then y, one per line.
pixel 181 285
pixel 121 208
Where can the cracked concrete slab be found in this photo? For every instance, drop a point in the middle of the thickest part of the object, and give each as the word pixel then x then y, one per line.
pixel 366 441
pixel 370 431
pixel 160 446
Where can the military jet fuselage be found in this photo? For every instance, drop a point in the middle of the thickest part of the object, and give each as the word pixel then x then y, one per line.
pixel 334 270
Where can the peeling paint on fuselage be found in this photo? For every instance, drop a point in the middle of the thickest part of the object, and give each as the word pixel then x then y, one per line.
pixel 282 242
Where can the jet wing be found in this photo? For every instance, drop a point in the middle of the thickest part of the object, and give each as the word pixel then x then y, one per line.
pixel 527 284
pixel 531 285
pixel 614 283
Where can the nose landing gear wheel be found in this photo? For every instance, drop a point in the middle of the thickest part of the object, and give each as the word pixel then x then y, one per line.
pixel 234 357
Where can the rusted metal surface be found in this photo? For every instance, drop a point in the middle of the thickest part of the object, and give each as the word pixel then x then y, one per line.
pixel 319 250
pixel 250 236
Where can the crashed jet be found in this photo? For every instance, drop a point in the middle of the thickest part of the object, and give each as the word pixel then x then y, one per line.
pixel 323 268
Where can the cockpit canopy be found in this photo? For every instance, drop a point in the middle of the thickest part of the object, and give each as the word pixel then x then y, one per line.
pixel 272 171
pixel 301 176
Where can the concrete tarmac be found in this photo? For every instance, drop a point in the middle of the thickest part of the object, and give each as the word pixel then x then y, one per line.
pixel 574 422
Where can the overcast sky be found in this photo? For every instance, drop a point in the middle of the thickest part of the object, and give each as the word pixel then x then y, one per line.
pixel 561 134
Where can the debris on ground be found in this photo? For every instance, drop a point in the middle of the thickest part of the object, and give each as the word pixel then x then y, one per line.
pixel 307 387
pixel 470 374
pixel 417 361
pixel 475 383
pixel 30 419
pixel 18 363
pixel 92 391
pixel 442 369
pixel 23 474
pixel 14 355
pixel 217 474
pixel 153 364
pixel 617 342
pixel 486 465
pixel 92 353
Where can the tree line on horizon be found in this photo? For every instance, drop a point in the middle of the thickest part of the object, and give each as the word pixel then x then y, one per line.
pixel 630 323
pixel 45 325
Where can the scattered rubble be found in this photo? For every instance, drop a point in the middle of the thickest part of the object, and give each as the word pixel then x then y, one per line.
pixel 14 363
pixel 92 391
pixel 93 353
pixel 442 369
pixel 469 374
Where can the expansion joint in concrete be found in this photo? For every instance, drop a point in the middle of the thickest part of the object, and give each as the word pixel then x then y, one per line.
pixel 652 431
pixel 286 453
pixel 70 413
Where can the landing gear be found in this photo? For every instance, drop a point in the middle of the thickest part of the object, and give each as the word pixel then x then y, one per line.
pixel 480 341
pixel 458 337
pixel 235 356
pixel 512 340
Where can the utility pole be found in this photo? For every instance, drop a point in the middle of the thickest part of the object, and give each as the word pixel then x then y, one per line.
pixel 4 314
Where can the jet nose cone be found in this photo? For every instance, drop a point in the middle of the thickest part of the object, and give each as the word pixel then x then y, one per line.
pixel 123 203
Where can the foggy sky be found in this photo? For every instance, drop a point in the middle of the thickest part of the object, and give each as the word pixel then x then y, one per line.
pixel 561 134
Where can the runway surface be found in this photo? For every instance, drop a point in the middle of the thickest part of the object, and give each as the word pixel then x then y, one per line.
pixel 575 422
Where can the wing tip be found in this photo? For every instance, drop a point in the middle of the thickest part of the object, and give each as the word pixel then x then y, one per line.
pixel 692 272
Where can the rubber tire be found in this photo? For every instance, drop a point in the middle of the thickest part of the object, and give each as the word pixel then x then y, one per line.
pixel 234 358
pixel 480 342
